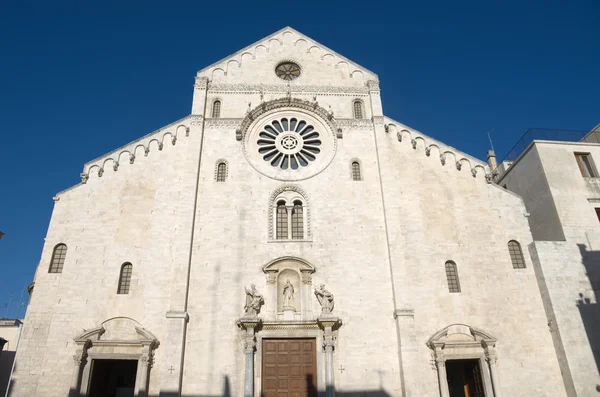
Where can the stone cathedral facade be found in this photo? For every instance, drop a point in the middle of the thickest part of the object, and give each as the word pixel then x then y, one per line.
pixel 286 239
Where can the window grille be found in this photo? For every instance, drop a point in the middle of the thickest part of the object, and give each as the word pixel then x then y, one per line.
pixel 297 221
pixel 516 255
pixel 216 110
pixel 221 172
pixel 586 165
pixel 452 276
pixel 281 221
pixel 358 111
pixel 125 278
pixel 58 258
pixel 355 171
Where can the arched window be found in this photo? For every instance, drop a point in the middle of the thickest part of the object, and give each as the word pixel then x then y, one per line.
pixel 297 220
pixel 289 214
pixel 125 278
pixel 358 109
pixel 281 221
pixel 516 255
pixel 356 171
pixel 221 171
pixel 216 109
pixel 452 277
pixel 58 258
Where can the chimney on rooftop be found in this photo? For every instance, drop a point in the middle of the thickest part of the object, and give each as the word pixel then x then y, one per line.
pixel 491 159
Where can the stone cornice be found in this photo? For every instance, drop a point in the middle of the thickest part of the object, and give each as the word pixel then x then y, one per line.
pixel 229 123
pixel 242 88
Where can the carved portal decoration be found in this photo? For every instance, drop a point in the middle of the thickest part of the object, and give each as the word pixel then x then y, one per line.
pixel 288 290
pixel 117 338
pixel 254 301
pixel 460 342
pixel 325 299
pixel 289 285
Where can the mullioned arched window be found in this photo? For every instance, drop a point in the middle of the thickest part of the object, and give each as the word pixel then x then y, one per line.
pixel 452 277
pixel 125 278
pixel 58 258
pixel 216 109
pixel 358 109
pixel 516 255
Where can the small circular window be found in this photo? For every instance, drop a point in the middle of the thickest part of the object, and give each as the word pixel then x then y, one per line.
pixel 287 70
pixel 289 143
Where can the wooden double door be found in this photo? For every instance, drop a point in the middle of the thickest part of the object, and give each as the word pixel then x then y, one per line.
pixel 289 368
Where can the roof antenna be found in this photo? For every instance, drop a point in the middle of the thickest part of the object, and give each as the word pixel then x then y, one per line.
pixel 491 154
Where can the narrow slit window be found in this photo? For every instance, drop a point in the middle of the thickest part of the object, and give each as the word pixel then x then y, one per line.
pixel 221 172
pixel 216 110
pixel 516 255
pixel 58 258
pixel 281 221
pixel 452 277
pixel 356 171
pixel 297 221
pixel 125 279
pixel 358 110
pixel 586 165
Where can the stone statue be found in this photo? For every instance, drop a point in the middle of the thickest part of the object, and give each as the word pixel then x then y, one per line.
pixel 254 300
pixel 288 296
pixel 325 298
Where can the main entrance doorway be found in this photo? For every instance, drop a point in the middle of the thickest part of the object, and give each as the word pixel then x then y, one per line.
pixel 289 368
pixel 112 378
pixel 464 378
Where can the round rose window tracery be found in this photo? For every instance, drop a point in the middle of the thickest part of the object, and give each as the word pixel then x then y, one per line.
pixel 287 70
pixel 289 143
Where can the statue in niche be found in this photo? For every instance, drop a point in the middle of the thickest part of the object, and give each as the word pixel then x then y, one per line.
pixel 254 300
pixel 325 298
pixel 288 296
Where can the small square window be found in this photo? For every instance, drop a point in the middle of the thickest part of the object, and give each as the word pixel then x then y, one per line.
pixel 586 165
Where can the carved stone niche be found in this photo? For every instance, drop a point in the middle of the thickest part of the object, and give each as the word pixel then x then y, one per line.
pixel 299 273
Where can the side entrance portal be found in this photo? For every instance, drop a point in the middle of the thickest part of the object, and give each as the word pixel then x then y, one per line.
pixel 289 368
pixel 464 378
pixel 113 378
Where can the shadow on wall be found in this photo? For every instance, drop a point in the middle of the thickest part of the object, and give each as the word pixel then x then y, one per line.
pixel 6 363
pixel 310 391
pixel 588 309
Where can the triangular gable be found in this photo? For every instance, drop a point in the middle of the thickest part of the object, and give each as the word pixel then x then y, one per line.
pixel 280 36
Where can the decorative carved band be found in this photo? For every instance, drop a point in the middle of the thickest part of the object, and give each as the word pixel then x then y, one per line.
pixel 284 88
pixel 230 123
pixel 355 124
pixel 282 103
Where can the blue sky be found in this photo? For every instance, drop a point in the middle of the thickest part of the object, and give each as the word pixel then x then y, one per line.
pixel 80 78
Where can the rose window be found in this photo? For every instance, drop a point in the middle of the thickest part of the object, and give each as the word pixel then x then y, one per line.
pixel 287 70
pixel 289 144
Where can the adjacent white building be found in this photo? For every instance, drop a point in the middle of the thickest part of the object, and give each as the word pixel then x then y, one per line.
pixel 10 331
pixel 408 268
pixel 560 184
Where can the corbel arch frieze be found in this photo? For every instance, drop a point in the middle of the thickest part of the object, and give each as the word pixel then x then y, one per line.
pixel 285 103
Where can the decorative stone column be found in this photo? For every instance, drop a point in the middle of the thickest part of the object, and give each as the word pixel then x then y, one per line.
pixel 79 361
pixel 146 362
pixel 249 346
pixel 492 359
pixel 440 363
pixel 327 322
